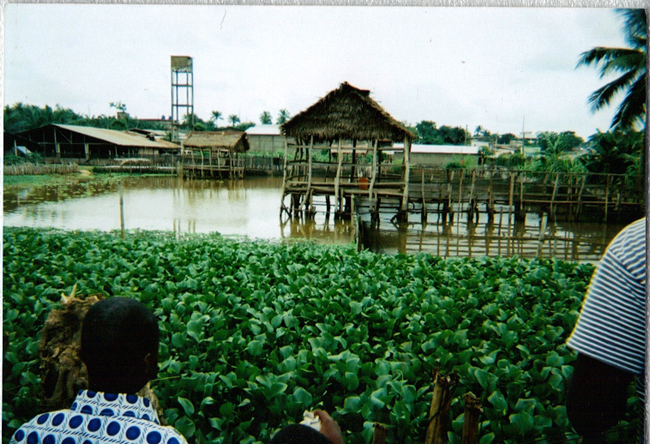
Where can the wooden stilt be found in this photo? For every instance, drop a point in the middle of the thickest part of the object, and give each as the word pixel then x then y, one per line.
pixel 606 196
pixel 553 207
pixel 439 412
pixel 379 434
pixel 338 205
pixel 582 187
pixel 471 417
pixel 406 178
pixel 424 203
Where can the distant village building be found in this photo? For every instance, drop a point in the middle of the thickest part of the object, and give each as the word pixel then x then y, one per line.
pixel 266 139
pixel 441 155
pixel 85 143
pixel 479 143
pixel 216 142
pixel 214 153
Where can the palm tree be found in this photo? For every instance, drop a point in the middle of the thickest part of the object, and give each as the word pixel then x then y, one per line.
pixel 216 115
pixel 283 116
pixel 629 61
pixel 613 152
pixel 265 118
pixel 233 119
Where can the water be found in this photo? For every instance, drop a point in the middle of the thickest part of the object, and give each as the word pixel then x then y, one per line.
pixel 234 208
pixel 251 208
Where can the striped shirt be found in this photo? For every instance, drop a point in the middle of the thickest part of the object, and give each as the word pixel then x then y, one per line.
pixel 612 324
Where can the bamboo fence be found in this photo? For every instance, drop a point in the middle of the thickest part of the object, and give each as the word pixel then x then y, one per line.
pixel 25 169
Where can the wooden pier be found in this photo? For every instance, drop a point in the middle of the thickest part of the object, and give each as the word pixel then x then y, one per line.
pixel 450 193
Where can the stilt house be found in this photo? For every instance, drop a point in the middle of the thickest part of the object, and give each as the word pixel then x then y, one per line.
pixel 214 153
pixel 340 141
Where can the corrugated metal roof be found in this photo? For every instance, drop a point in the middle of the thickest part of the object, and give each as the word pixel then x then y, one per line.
pixel 120 138
pixel 440 149
pixel 264 130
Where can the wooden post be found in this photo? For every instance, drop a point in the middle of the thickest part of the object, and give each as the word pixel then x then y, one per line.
pixel 373 174
pixel 424 202
pixel 439 412
pixel 606 196
pixel 353 170
pixel 407 171
pixel 522 207
pixel 582 186
pixel 472 203
pixel 121 210
pixel 374 208
pixel 338 205
pixel 490 208
pixel 552 209
pixel 460 190
pixel 473 411
pixel 307 200
pixel 512 188
pixel 87 151
pixel 379 434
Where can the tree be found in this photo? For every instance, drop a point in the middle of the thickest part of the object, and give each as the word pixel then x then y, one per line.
pixel 244 126
pixel 559 142
pixel 119 106
pixel 265 118
pixel 233 119
pixel 554 156
pixel 614 152
pixel 428 133
pixel 631 62
pixel 283 116
pixel 504 139
pixel 482 132
pixel 454 135
pixel 216 115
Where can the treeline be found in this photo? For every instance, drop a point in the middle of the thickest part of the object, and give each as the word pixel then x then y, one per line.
pixel 21 117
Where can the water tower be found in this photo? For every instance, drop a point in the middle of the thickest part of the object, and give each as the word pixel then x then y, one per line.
pixel 182 92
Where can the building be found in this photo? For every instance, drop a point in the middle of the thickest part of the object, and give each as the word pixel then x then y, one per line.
pixel 86 144
pixel 267 139
pixel 214 153
pixel 349 124
pixel 441 155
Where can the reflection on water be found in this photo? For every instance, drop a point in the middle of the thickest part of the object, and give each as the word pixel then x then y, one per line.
pixel 247 208
pixel 251 208
pixel 468 237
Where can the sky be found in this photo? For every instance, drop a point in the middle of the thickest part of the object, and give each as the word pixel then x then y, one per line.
pixel 506 69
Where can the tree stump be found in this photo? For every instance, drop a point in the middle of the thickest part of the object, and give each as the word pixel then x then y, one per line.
pixel 62 372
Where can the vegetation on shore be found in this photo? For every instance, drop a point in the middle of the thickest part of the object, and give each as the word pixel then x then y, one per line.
pixel 253 333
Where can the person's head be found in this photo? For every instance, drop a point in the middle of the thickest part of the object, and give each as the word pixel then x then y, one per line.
pixel 119 345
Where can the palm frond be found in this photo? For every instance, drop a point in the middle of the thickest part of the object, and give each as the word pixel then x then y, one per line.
pixel 635 25
pixel 604 95
pixel 632 111
pixel 611 59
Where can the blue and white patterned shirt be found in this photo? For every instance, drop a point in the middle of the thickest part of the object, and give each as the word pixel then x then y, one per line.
pixel 99 418
pixel 612 324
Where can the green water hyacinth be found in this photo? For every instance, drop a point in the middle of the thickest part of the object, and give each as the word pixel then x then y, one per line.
pixel 254 333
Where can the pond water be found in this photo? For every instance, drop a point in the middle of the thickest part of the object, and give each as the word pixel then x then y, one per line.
pixel 250 208
pixel 241 208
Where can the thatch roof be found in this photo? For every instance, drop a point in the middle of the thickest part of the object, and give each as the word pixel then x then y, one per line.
pixel 346 113
pixel 218 140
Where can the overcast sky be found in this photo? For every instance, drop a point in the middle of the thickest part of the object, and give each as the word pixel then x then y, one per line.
pixel 495 67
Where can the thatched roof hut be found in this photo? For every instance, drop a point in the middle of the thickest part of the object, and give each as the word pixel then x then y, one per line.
pixel 231 141
pixel 346 113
